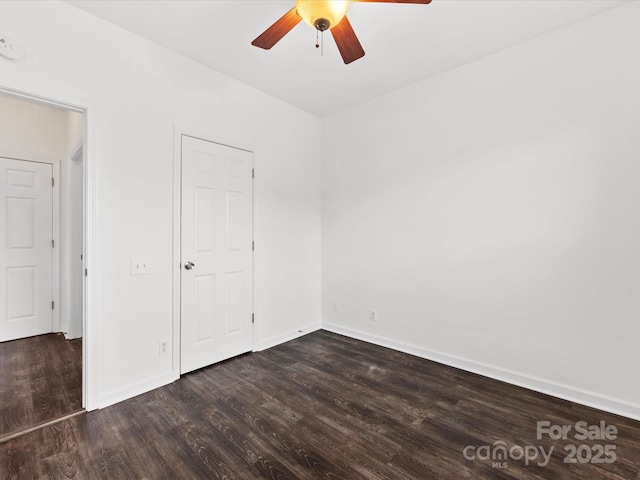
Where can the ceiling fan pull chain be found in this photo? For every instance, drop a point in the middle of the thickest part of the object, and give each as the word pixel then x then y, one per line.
pixel 320 41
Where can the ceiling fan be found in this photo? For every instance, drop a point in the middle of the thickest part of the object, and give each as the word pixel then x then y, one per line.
pixel 322 15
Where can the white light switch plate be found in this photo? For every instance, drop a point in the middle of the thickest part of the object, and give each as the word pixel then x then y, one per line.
pixel 140 266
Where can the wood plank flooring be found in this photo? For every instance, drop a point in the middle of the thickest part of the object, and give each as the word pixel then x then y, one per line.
pixel 319 407
pixel 40 379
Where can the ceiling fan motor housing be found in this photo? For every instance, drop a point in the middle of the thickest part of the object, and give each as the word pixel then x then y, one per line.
pixel 322 24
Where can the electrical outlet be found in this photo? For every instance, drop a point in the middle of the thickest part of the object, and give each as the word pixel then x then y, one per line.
pixel 163 347
pixel 373 316
pixel 336 307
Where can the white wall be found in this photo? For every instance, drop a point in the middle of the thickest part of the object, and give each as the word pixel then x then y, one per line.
pixel 137 92
pixel 72 229
pixel 30 130
pixel 490 215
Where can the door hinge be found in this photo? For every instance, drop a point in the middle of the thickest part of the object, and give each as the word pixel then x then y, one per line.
pixel 86 272
pixel 53 305
pixel 53 243
pixel 253 245
pixel 53 182
pixel 253 173
pixel 253 318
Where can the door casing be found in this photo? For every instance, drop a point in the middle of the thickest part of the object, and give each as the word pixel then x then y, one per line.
pixel 179 131
pixel 83 106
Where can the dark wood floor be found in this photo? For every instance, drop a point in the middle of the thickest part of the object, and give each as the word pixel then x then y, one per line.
pixel 40 379
pixel 319 407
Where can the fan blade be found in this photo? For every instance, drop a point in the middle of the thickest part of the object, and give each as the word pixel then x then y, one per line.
pixel 275 32
pixel 394 1
pixel 347 42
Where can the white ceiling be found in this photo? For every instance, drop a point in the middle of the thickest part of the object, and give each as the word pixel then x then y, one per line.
pixel 403 43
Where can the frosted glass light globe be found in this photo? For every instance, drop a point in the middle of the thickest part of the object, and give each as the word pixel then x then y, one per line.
pixel 322 14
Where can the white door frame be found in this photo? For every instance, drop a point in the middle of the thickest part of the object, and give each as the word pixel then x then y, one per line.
pixel 179 131
pixel 74 326
pixel 54 99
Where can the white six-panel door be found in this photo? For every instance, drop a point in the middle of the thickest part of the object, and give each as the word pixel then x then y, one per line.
pixel 217 256
pixel 26 251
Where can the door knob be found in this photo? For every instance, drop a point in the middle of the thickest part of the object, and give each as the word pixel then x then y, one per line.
pixel 189 265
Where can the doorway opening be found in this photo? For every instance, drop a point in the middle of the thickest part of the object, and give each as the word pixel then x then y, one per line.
pixel 42 261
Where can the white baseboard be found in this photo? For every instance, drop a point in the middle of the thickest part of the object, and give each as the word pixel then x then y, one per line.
pixel 133 390
pixel 278 339
pixel 143 387
pixel 584 397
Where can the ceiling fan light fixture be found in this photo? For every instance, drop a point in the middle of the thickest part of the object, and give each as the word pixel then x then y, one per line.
pixel 322 14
